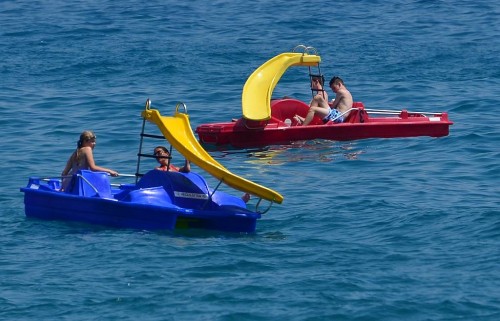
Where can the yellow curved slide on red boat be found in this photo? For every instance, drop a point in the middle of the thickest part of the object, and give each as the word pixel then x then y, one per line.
pixel 177 130
pixel 259 87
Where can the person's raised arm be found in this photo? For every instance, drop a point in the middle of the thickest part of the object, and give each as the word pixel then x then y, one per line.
pixel 89 156
pixel 186 168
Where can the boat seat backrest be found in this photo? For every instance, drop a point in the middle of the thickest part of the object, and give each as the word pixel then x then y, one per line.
pixel 283 109
pixel 91 184
pixel 358 115
pixel 187 190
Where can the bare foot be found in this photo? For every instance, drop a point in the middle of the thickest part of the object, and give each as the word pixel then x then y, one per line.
pixel 298 119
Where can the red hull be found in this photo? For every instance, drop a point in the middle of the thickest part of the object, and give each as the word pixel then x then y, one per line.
pixel 358 125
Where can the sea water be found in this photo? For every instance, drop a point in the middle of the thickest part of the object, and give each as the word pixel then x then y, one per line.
pixel 376 229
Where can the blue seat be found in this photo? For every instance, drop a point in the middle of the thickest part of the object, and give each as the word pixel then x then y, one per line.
pixel 90 184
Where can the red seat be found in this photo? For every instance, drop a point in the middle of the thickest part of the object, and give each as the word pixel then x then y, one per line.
pixel 358 115
pixel 283 109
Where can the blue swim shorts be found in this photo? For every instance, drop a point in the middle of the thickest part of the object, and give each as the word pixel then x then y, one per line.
pixel 334 115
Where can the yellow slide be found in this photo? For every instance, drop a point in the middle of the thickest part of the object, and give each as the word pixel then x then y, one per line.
pixel 258 89
pixel 178 132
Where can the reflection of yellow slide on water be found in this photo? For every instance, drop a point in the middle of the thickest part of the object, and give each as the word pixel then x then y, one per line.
pixel 259 87
pixel 178 132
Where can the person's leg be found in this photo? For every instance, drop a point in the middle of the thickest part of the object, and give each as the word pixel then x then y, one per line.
pixel 318 111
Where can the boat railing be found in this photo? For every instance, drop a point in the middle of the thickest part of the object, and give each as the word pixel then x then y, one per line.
pixel 398 112
pixel 98 193
pixel 264 211
pixel 183 105
pixel 345 113
pixel 305 49
pixel 56 181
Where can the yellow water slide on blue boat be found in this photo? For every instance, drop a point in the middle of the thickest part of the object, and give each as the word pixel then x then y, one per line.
pixel 259 87
pixel 177 130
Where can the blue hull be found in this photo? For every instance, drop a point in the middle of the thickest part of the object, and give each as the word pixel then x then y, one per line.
pixel 159 201
pixel 60 206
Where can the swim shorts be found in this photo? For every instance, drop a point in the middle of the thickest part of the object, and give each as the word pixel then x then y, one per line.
pixel 334 115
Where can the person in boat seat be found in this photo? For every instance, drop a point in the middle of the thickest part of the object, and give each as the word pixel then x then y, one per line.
pixel 83 158
pixel 164 166
pixel 318 105
pixel 162 157
pixel 342 103
pixel 343 99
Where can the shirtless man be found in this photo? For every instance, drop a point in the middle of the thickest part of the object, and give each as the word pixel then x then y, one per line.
pixel 318 105
pixel 343 98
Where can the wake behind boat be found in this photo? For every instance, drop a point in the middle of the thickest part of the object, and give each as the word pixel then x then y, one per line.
pixel 157 200
pixel 268 121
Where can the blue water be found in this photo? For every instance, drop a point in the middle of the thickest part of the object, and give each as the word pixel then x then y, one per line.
pixel 377 229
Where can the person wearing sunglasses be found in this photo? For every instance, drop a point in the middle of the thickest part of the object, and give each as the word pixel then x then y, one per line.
pixel 164 159
pixel 319 103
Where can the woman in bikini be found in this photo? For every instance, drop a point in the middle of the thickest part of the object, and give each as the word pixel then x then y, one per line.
pixel 83 158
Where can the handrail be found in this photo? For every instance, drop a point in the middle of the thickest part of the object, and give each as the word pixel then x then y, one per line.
pixel 266 210
pixel 307 49
pixel 90 184
pixel 47 179
pixel 347 111
pixel 181 104
pixel 397 112
pixel 126 175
